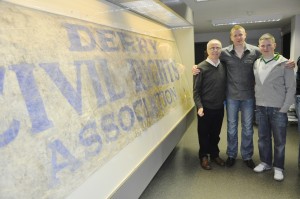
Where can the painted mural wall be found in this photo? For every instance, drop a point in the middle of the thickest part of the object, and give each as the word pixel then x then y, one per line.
pixel 73 94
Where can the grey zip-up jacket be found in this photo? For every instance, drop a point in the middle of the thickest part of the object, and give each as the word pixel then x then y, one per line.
pixel 279 87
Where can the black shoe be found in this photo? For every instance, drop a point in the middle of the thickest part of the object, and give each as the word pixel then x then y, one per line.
pixel 230 162
pixel 250 163
pixel 218 161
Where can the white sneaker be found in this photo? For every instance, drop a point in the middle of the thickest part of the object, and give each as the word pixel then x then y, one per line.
pixel 278 175
pixel 261 167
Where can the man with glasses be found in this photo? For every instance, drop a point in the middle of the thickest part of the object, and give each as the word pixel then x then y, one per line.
pixel 209 96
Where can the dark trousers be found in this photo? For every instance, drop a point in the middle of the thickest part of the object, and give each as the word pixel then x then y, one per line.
pixel 209 128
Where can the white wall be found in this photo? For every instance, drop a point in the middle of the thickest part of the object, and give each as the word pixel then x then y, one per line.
pixel 295 37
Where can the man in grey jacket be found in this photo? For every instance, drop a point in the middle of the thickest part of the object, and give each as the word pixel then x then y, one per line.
pixel 275 88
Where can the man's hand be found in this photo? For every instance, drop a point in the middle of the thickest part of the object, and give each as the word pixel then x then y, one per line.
pixel 195 70
pixel 200 112
pixel 290 64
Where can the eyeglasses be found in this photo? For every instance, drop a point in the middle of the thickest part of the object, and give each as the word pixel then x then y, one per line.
pixel 215 49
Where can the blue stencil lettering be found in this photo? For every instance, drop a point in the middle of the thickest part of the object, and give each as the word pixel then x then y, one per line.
pixel 168 95
pixel 33 100
pixel 109 82
pixel 154 102
pixel 127 113
pixel 127 42
pixel 95 82
pixel 153 44
pixel 142 43
pixel 136 76
pixel 173 92
pixel 161 98
pixel 108 41
pixel 2 73
pixel 10 134
pixel 175 70
pixel 108 126
pixel 152 69
pixel 74 97
pixel 57 147
pixel 146 73
pixel 170 72
pixel 138 109
pixel 76 34
pixel 90 140
pixel 162 72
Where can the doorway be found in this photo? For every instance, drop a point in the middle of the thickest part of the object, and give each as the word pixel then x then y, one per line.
pixel 286 45
pixel 200 52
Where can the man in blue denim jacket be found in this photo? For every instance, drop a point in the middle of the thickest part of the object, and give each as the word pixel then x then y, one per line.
pixel 275 88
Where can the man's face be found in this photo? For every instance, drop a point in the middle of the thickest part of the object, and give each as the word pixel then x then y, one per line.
pixel 214 50
pixel 238 37
pixel 267 47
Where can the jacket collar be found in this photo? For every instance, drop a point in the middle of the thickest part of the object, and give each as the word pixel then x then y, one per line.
pixel 231 48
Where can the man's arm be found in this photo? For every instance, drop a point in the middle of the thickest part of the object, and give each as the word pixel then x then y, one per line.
pixel 197 94
pixel 290 84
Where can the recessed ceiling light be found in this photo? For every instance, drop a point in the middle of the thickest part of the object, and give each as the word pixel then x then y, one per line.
pixel 200 0
pixel 250 19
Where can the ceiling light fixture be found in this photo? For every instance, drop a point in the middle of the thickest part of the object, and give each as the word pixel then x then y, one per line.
pixel 155 10
pixel 246 20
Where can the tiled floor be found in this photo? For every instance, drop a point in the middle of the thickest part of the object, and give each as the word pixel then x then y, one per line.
pixel 181 176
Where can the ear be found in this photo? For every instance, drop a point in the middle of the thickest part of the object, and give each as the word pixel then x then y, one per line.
pixel 274 45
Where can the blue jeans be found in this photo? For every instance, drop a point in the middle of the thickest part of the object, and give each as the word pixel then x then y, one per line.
pixel 247 111
pixel 298 112
pixel 271 121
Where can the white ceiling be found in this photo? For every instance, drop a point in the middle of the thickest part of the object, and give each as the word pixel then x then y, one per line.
pixel 205 12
